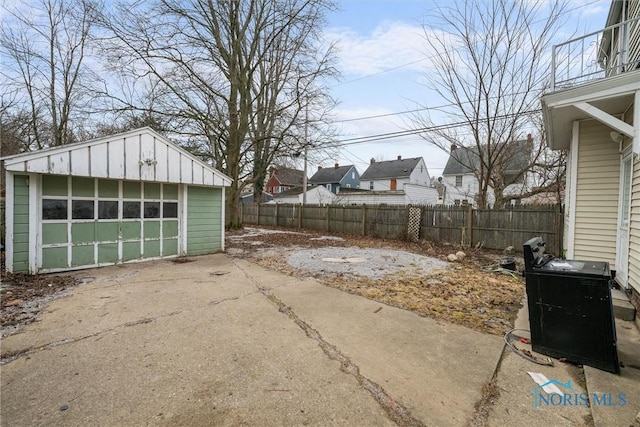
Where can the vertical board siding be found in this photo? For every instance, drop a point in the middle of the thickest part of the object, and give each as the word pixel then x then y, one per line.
pixel 80 161
pixel 204 220
pixel 99 160
pixel 634 230
pixel 120 158
pixel 116 159
pixel 131 158
pixel 162 167
pixel 598 185
pixel 21 223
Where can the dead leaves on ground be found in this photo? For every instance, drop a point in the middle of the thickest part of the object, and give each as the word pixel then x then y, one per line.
pixel 466 294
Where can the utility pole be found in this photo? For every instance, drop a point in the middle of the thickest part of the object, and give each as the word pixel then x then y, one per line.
pixel 306 151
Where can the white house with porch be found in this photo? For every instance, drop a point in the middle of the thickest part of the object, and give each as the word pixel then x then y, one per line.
pixel 592 110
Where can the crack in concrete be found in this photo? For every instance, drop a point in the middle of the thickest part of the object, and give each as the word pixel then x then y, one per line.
pixel 395 410
pixel 11 356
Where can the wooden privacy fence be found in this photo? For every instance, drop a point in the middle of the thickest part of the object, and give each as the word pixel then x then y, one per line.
pixel 493 228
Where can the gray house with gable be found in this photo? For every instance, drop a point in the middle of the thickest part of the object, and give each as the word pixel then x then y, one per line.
pixel 337 177
pixel 393 174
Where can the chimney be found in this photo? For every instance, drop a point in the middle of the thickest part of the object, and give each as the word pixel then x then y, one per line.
pixel 337 166
pixel 529 138
pixel 373 160
pixel 453 147
pixel 319 167
pixel 399 157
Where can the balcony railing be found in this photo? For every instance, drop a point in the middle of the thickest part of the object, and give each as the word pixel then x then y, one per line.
pixel 597 55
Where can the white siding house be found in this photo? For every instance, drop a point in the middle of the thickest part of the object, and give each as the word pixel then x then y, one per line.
pixel 411 194
pixel 391 175
pixel 462 185
pixel 592 110
pixel 316 195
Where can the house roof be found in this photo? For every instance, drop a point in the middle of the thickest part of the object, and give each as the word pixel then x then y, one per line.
pixel 330 175
pixel 141 154
pixel 465 160
pixel 390 169
pixel 296 191
pixel 288 176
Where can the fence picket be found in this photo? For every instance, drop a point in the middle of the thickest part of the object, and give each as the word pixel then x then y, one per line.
pixel 494 228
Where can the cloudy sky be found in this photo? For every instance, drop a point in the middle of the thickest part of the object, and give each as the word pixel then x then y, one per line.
pixel 382 61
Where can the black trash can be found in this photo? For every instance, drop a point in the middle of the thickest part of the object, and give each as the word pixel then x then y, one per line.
pixel 570 308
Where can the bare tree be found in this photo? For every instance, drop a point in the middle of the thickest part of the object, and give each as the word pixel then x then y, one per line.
pixel 45 46
pixel 490 61
pixel 232 71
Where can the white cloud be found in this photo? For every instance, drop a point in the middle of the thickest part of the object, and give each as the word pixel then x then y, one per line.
pixel 389 45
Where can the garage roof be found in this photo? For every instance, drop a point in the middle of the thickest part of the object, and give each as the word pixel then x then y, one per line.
pixel 141 154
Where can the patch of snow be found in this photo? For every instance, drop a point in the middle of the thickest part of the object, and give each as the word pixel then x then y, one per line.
pixel 335 238
pixel 254 232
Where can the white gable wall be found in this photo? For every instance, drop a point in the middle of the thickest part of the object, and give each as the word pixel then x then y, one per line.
pixel 420 174
pixel 137 155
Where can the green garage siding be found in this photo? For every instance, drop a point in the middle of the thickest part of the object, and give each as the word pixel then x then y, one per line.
pixel 204 220
pixel 21 223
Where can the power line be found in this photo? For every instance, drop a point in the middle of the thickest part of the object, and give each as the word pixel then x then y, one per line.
pixel 409 132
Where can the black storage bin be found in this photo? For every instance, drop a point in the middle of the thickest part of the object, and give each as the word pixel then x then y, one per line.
pixel 570 310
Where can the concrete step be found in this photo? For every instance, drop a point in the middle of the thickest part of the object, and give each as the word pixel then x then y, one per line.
pixel 622 308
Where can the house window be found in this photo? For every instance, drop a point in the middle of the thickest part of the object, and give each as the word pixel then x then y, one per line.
pixel 353 175
pixel 371 185
pixel 348 185
pixel 394 184
pixel 458 180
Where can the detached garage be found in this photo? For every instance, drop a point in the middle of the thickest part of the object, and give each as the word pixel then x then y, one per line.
pixel 124 198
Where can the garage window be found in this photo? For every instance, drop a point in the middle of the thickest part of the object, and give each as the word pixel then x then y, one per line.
pixel 131 210
pixel 170 210
pixel 152 209
pixel 108 209
pixel 54 209
pixel 82 209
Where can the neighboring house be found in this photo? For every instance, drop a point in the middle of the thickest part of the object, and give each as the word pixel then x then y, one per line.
pixel 594 114
pixel 122 198
pixel 393 174
pixel 316 195
pixel 460 178
pixel 281 179
pixel 411 194
pixel 248 198
pixel 336 177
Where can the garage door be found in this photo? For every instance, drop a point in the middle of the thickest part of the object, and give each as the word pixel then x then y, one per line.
pixel 90 222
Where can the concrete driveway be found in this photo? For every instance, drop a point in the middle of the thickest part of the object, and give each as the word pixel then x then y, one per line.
pixel 221 341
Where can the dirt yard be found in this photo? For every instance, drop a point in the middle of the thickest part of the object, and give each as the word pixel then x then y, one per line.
pixel 473 291
pixel 23 297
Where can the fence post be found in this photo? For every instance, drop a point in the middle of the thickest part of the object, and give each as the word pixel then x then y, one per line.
pixel 300 216
pixel 364 219
pixel 328 217
pixel 470 224
pixel 258 219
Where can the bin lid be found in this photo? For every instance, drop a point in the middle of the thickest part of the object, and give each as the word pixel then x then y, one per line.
pixel 568 266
